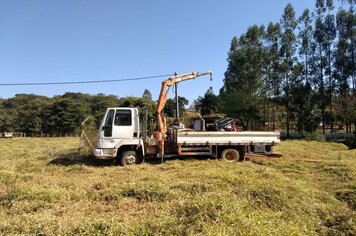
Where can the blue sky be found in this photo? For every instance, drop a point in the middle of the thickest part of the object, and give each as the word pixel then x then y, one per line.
pixel 79 40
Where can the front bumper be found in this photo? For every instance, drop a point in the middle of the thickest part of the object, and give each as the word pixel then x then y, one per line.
pixel 105 152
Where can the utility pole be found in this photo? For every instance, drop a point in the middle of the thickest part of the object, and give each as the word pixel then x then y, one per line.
pixel 177 103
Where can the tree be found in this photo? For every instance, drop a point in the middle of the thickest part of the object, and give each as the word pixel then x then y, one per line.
pixel 147 95
pixel 272 69
pixel 330 32
pixel 288 48
pixel 306 48
pixel 170 107
pixel 243 85
pixel 139 103
pixel 64 116
pixel 208 104
pixel 320 39
pixel 7 116
pixel 304 97
pixel 22 113
pixel 351 2
pixel 345 66
pixel 83 98
pixel 100 103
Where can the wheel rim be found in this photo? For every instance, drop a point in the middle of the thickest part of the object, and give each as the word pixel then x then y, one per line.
pixel 130 160
pixel 229 156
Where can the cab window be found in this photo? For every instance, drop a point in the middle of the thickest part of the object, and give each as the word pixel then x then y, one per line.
pixel 123 118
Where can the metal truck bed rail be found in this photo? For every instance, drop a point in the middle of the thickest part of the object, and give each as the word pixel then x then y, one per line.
pixel 227 138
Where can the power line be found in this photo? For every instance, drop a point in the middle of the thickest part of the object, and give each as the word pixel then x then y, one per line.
pixel 85 82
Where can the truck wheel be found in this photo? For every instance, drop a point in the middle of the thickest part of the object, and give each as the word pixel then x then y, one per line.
pixel 230 155
pixel 128 158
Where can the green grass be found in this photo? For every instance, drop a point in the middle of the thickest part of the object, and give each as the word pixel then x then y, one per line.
pixel 47 188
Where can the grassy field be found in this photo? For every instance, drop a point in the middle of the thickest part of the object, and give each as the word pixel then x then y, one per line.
pixel 46 188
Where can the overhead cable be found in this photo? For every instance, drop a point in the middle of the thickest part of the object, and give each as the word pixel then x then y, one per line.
pixel 85 82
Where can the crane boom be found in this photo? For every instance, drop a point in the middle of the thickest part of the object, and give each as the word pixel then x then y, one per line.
pixel 162 99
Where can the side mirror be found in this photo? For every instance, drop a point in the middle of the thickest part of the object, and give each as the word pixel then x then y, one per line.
pixel 106 127
pixel 107 130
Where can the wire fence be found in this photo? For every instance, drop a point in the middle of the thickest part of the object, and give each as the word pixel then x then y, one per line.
pixel 35 135
pixel 88 136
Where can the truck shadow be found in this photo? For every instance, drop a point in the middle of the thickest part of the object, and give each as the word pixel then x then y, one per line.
pixel 73 158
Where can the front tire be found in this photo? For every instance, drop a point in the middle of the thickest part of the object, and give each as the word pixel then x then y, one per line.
pixel 230 155
pixel 128 158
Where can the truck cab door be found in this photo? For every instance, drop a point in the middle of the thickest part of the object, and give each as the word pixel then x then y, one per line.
pixel 119 124
pixel 124 124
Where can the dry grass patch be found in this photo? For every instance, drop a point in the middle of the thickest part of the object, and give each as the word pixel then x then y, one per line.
pixel 47 188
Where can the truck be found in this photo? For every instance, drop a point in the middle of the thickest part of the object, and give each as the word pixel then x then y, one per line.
pixel 122 134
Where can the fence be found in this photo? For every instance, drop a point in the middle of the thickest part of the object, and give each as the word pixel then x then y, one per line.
pixel 328 136
pixel 34 135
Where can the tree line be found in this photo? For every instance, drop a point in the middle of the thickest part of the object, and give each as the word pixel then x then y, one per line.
pixel 63 115
pixel 297 74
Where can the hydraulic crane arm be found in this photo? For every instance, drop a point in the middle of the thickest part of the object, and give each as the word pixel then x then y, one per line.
pixel 163 96
pixel 160 133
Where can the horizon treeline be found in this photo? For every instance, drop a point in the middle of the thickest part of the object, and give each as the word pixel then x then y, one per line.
pixel 63 115
pixel 60 115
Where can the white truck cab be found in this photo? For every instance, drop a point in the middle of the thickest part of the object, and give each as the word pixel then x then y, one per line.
pixel 119 132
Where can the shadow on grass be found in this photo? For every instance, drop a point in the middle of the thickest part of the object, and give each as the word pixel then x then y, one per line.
pixel 73 158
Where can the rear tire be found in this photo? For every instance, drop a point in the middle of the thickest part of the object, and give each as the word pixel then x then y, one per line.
pixel 128 158
pixel 230 155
